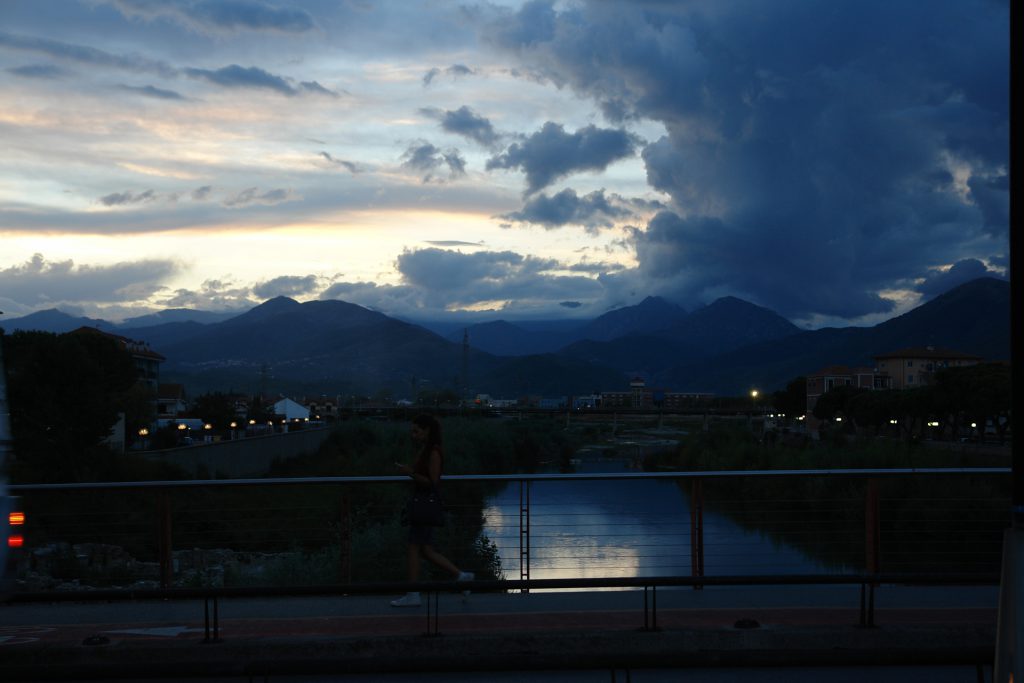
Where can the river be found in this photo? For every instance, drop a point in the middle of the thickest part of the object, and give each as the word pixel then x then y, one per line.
pixel 627 528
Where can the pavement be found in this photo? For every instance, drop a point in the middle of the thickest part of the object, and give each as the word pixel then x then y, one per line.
pixel 359 635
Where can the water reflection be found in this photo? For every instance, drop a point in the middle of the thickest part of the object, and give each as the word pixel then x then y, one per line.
pixel 626 528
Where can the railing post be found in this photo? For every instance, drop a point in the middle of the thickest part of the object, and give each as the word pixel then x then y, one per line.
pixel 345 540
pixel 872 542
pixel 165 546
pixel 697 530
pixel 524 531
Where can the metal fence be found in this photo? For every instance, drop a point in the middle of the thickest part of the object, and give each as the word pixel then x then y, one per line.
pixel 308 531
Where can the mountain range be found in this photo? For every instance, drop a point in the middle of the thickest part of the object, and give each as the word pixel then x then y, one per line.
pixel 726 347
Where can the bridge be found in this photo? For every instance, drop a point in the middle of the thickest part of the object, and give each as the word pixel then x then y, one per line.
pixel 904 572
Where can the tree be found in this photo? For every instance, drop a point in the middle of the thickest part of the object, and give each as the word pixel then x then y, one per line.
pixel 65 393
pixel 216 408
pixel 792 401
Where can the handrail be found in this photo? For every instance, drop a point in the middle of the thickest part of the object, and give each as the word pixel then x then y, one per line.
pixel 488 586
pixel 692 474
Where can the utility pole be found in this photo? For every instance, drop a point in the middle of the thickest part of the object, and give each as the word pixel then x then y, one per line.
pixel 465 363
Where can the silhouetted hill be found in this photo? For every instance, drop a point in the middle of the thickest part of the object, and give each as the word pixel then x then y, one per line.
pixel 725 324
pixel 651 314
pixel 52 320
pixel 507 339
pixel 729 323
pixel 972 318
pixel 177 315
pixel 318 346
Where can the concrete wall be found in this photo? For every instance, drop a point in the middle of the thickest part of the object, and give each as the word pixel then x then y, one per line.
pixel 241 458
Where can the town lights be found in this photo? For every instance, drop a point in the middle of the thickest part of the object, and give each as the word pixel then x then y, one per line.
pixel 839 419
pixel 182 427
pixel 933 423
pixel 234 425
pixel 143 432
pixel 207 426
pixel 893 421
pixel 252 422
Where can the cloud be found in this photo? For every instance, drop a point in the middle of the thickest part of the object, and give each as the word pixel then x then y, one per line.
pixel 154 92
pixel 551 153
pixel 453 243
pixel 235 76
pixel 45 71
pixel 127 198
pixel 454 71
pixel 807 177
pixel 221 15
pixel 212 295
pixel 591 211
pixel 81 54
pixel 351 167
pixel 39 282
pixel 201 193
pixel 425 158
pixel 465 122
pixel 287 285
pixel 253 196
pixel 446 279
pixel 939 281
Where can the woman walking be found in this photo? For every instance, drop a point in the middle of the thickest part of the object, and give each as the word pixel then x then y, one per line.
pixel 426 476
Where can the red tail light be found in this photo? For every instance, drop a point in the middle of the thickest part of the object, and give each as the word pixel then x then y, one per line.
pixel 15 541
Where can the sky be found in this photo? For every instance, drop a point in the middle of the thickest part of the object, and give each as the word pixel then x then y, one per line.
pixel 837 162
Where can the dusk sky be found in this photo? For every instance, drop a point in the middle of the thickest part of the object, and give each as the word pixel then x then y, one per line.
pixel 838 162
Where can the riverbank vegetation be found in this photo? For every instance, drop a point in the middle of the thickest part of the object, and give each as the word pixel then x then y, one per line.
pixel 930 523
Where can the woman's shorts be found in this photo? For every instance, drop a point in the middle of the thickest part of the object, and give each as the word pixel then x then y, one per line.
pixel 421 535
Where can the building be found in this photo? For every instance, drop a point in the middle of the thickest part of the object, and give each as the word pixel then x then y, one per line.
pixel 291 410
pixel 833 376
pixel 916 366
pixel 638 396
pixel 170 400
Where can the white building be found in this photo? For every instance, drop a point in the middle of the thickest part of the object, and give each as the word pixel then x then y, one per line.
pixel 291 410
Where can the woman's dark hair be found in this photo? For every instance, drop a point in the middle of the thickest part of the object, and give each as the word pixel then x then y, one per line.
pixel 433 428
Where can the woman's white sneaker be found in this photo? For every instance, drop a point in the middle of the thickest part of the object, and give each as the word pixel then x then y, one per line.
pixel 407 600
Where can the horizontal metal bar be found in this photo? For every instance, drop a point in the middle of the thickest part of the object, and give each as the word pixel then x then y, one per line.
pixel 917 579
pixel 613 476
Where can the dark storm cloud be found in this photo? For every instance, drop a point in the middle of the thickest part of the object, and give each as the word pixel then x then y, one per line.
pixel 806 174
pixel 569 304
pixel 591 211
pixel 82 54
pixel 940 281
pixel 551 153
pixel 39 282
pixel 151 91
pixel 286 285
pixel 222 15
pixel 38 71
pixel 454 71
pixel 992 195
pixel 465 122
pixel 425 158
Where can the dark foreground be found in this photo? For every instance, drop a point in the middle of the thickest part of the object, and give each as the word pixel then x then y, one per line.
pixel 536 637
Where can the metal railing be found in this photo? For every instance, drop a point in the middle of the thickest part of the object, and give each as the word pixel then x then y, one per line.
pixel 765 522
